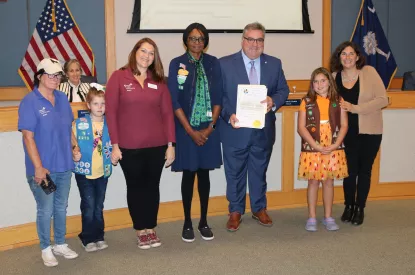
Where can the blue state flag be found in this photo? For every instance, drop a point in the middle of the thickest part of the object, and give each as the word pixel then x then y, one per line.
pixel 368 33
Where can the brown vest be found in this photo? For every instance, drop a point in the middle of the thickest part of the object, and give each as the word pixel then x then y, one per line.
pixel 313 123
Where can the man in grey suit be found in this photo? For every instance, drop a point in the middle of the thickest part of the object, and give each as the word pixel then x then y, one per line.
pixel 246 150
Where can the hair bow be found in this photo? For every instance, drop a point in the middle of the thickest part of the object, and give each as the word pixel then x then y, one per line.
pixel 97 86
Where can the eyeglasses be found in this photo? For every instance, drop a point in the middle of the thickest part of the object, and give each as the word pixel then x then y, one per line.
pixel 252 40
pixel 195 39
pixel 54 76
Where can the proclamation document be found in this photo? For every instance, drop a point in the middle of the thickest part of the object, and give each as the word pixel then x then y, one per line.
pixel 249 110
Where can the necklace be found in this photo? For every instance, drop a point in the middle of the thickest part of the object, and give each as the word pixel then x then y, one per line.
pixel 351 79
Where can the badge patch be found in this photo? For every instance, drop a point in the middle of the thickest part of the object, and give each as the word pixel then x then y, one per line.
pixel 129 87
pixel 43 111
pixel 83 126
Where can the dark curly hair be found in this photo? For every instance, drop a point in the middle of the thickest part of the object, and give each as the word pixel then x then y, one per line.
pixel 336 65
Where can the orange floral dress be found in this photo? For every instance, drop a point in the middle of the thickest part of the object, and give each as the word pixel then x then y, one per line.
pixel 316 166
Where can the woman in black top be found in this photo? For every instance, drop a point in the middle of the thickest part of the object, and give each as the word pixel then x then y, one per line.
pixel 364 96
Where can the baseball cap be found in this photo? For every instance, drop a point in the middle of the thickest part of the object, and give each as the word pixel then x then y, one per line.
pixel 50 66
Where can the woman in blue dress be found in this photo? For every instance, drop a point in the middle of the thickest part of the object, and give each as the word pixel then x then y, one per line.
pixel 195 84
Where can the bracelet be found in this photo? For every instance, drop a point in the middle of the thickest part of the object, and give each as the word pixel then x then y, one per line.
pixel 170 144
pixel 73 147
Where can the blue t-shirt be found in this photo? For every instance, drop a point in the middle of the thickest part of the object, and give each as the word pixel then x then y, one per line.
pixel 52 128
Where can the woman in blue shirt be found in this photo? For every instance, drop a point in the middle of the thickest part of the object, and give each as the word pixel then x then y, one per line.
pixel 45 120
pixel 195 84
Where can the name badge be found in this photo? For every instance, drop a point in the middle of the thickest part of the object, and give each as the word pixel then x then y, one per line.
pixel 209 114
pixel 152 86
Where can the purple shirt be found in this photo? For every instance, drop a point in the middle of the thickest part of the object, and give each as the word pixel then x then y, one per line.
pixel 52 128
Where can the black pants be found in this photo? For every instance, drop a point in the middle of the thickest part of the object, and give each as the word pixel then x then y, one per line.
pixel 142 170
pixel 361 151
pixel 187 195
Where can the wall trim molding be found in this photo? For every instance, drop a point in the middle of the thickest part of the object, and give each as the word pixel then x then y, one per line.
pixel 110 37
pixel 326 33
pixel 26 234
pixel 397 100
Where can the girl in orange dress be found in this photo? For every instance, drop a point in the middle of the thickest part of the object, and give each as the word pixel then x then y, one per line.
pixel 322 125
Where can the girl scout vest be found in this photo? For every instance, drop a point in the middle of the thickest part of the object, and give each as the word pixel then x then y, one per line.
pixel 85 137
pixel 313 123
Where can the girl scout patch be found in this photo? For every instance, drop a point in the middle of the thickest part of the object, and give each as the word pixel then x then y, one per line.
pixel 83 125
pixel 181 77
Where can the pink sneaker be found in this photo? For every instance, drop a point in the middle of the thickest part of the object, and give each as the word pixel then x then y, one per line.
pixel 154 240
pixel 143 241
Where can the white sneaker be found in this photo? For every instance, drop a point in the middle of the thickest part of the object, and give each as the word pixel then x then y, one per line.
pixel 48 257
pixel 101 245
pixel 91 247
pixel 65 251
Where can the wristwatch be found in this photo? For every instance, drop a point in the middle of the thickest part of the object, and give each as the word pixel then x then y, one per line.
pixel 213 126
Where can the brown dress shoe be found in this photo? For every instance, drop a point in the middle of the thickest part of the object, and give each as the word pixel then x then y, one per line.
pixel 262 217
pixel 235 219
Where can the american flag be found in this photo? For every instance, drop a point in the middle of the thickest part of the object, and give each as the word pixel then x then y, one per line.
pixel 56 36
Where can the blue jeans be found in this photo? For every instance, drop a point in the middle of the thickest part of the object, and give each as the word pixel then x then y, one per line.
pixel 92 193
pixel 52 205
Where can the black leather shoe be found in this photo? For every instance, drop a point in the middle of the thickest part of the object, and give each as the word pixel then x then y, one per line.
pixel 347 214
pixel 358 216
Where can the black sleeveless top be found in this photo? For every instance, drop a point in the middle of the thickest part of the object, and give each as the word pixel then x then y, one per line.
pixel 352 96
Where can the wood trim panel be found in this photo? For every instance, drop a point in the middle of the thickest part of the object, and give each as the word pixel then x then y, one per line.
pixel 110 36
pixel 301 85
pixel 401 100
pixel 288 137
pixel 326 33
pixel 24 235
pixel 9 116
pixel 397 100
pixel 13 93
pixel 396 83
pixel 8 119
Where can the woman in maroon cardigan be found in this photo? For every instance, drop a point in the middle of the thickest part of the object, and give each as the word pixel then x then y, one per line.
pixel 141 127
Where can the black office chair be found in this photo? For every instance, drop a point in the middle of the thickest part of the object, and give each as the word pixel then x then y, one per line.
pixel 408 83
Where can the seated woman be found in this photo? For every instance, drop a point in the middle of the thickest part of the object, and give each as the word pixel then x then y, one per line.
pixel 74 89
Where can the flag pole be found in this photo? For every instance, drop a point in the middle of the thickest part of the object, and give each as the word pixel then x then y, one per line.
pixel 357 20
pixel 29 33
pixel 54 17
